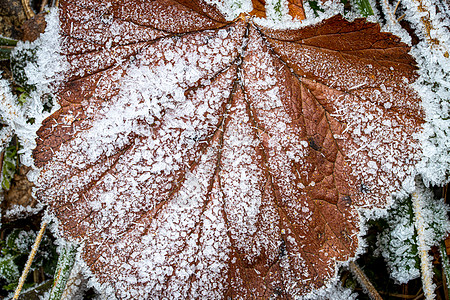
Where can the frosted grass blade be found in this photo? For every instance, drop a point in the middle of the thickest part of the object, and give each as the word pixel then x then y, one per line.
pixel 65 264
pixel 445 264
pixel 364 7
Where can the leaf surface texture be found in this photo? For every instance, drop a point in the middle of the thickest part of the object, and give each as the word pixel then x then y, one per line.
pixel 201 158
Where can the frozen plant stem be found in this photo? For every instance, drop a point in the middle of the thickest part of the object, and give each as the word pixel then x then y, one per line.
pixel 27 9
pixel 43 4
pixel 420 224
pixel 396 6
pixel 391 13
pixel 426 22
pixel 63 269
pixel 30 260
pixel 445 265
pixel 364 281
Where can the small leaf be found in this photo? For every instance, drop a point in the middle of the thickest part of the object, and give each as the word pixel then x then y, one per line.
pixel 5 53
pixel 276 8
pixel 23 97
pixel 315 7
pixel 9 166
pixel 20 241
pixel 398 242
pixel 8 269
pixel 19 61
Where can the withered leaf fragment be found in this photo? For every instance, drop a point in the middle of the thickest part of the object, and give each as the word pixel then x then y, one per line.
pixel 201 158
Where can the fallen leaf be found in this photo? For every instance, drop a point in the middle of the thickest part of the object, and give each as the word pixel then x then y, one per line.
pixel 33 27
pixel 201 158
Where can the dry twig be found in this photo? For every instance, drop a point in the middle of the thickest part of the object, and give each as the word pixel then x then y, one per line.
pixel 30 260
pixel 43 4
pixel 27 9
pixel 364 281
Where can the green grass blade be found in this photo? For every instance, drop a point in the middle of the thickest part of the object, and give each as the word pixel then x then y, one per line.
pixel 9 166
pixel 5 52
pixel 315 7
pixel 364 7
pixel 63 269
pixel 7 41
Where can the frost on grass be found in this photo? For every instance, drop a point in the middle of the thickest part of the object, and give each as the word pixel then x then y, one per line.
pixel 432 23
pixel 199 157
pixel 10 113
pixel 8 268
pixel 399 243
pixel 428 233
pixel 231 8
pixel 41 71
pixel 332 290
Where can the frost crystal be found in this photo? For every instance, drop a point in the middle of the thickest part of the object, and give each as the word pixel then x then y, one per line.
pixel 11 114
pixel 413 227
pixel 432 23
pixel 43 74
pixel 398 242
pixel 333 290
pixel 232 8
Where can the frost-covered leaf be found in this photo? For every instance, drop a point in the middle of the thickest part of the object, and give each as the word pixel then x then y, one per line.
pixel 414 225
pixel 203 158
pixel 398 242
pixel 19 61
pixel 9 166
pixel 20 241
pixel 8 268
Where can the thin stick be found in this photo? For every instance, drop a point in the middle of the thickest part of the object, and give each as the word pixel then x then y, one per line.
pixel 389 11
pixel 364 281
pixel 30 260
pixel 401 17
pixel 43 4
pixel 396 6
pixel 27 9
pixel 421 225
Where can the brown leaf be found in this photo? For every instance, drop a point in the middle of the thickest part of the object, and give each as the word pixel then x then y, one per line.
pixel 33 27
pixel 200 158
pixel 18 202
